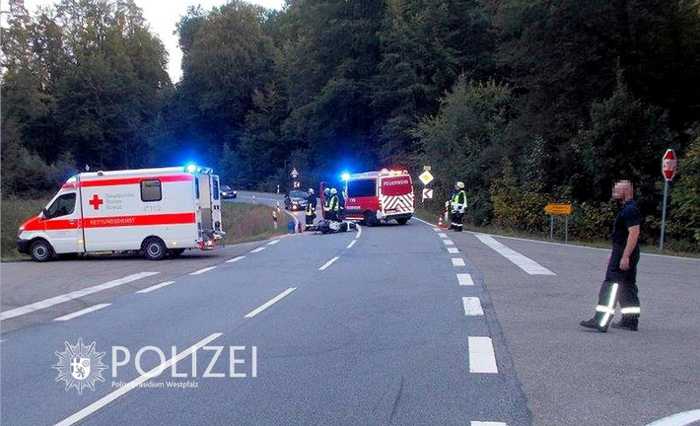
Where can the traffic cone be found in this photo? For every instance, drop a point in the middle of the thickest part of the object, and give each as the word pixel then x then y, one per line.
pixel 440 224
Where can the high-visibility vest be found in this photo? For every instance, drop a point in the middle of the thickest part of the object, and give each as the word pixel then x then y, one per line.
pixel 310 209
pixel 459 199
pixel 334 203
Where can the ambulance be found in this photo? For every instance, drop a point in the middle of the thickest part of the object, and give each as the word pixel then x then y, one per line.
pixel 157 212
pixel 379 196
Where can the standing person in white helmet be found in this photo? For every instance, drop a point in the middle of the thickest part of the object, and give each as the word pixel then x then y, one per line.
pixel 334 206
pixel 457 205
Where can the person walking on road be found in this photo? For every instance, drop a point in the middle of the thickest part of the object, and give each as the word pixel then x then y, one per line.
pixel 458 205
pixel 310 211
pixel 621 274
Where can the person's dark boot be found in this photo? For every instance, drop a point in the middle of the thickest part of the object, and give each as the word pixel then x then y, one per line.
pixel 592 323
pixel 630 324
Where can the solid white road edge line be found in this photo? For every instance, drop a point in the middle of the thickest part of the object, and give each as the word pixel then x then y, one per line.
pixel 155 287
pixel 680 419
pixel 235 259
pixel 258 250
pixel 203 270
pixel 329 263
pixel 472 306
pixel 521 261
pixel 465 280
pixel 273 242
pixel 352 243
pixel 269 303
pixel 481 423
pixel 82 312
pixel 458 261
pixel 482 358
pixel 442 235
pixel 452 250
pixel 151 374
pixel 22 310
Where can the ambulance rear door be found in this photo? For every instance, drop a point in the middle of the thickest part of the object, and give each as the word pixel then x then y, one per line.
pixel 216 205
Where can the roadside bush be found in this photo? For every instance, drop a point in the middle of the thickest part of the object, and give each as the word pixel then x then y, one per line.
pixel 14 212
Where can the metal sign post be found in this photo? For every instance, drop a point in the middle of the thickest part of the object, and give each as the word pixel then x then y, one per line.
pixel 669 164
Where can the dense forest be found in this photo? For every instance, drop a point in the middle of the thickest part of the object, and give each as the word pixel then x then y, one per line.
pixel 527 101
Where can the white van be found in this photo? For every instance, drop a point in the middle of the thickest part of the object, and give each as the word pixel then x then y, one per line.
pixel 155 211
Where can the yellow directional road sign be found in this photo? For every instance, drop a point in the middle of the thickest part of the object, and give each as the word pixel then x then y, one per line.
pixel 561 209
pixel 426 177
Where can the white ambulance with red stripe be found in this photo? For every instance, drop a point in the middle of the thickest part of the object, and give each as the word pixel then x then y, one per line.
pixel 380 196
pixel 158 212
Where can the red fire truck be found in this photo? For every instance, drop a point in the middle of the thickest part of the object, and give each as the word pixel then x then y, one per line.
pixel 374 197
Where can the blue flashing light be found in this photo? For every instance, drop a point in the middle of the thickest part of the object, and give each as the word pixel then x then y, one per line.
pixel 345 176
pixel 191 168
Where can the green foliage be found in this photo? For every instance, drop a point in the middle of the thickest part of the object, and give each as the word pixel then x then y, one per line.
pixel 684 209
pixel 567 96
pixel 466 139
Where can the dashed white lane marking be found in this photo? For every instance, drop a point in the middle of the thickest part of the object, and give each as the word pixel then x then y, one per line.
pixel 448 242
pixel 480 423
pixel 352 243
pixel 465 280
pixel 82 312
pixel 482 358
pixel 155 287
pixel 269 303
pixel 457 261
pixel 235 259
pixel 525 263
pixel 22 310
pixel 452 250
pixel 472 306
pixel 151 374
pixel 329 263
pixel 442 235
pixel 258 250
pixel 203 270
pixel 680 419
pixel 273 242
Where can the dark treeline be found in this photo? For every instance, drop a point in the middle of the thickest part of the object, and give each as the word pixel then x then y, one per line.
pixel 527 101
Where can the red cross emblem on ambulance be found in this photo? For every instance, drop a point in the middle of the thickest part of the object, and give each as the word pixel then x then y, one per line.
pixel 96 202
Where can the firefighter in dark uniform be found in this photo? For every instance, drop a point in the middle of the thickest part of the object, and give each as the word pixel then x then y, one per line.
pixel 457 205
pixel 310 211
pixel 621 277
pixel 326 201
pixel 334 206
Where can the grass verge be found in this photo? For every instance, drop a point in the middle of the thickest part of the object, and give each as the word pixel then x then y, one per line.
pixel 249 222
pixel 242 222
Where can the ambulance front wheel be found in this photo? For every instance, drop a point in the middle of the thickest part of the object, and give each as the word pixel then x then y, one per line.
pixel 41 250
pixel 154 249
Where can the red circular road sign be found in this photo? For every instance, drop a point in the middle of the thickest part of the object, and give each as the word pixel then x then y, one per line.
pixel 669 164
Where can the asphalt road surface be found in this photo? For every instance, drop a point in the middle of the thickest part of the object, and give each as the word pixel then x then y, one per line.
pixel 389 325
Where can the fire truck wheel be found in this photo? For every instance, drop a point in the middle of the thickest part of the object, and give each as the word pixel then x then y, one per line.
pixel 41 250
pixel 370 219
pixel 154 248
pixel 402 221
pixel 176 252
